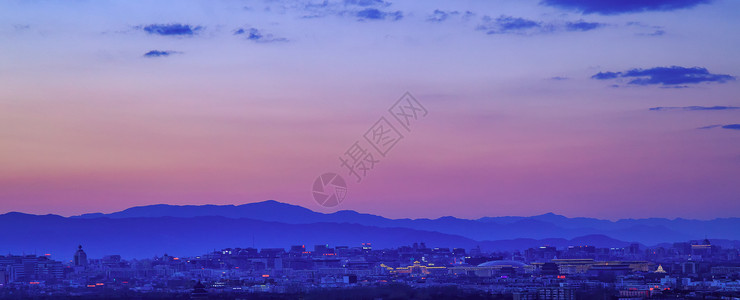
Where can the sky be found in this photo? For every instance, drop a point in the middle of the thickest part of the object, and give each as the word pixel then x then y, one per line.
pixel 606 109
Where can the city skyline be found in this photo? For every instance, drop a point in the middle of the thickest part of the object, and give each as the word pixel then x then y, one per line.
pixel 687 270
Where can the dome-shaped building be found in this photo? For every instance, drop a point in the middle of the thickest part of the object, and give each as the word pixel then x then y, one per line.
pixel 491 268
pixel 503 263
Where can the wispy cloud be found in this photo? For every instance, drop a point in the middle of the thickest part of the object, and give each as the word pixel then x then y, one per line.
pixel 21 27
pixel 256 35
pixel 582 25
pixel 360 10
pixel 694 108
pixel 657 32
pixel 515 25
pixel 507 24
pixel 367 3
pixel 647 30
pixel 171 29
pixel 439 16
pixel 614 7
pixel 674 76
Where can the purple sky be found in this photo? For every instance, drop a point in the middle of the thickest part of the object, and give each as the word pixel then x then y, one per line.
pixel 534 106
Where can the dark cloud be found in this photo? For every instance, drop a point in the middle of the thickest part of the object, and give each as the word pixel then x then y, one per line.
pixel 376 14
pixel 171 29
pixel 674 76
pixel 614 7
pixel 693 108
pixel 256 35
pixel 582 26
pixel 559 78
pixel 159 53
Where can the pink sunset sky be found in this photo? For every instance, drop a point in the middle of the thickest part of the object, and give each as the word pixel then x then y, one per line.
pixel 520 122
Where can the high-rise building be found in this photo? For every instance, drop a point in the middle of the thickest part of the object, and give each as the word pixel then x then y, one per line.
pixel 80 258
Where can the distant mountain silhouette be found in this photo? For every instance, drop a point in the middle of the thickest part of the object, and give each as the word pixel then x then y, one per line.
pixel 140 237
pixel 647 231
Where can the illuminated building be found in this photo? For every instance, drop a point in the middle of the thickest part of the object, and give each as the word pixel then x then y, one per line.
pixel 417 269
pixel 705 248
pixel 573 266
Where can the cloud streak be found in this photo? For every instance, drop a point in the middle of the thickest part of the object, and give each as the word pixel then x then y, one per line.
pixel 728 126
pixel 159 53
pixel 674 76
pixel 515 25
pixel 615 7
pixel 694 108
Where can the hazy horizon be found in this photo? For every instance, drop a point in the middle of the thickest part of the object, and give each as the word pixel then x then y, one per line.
pixel 319 210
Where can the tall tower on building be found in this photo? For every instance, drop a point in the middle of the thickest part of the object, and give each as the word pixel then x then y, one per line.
pixel 80 258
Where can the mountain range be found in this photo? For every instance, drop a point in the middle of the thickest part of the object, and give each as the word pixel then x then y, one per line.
pixel 647 231
pixel 186 230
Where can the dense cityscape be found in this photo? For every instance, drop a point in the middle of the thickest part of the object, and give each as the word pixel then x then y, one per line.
pixel 687 270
